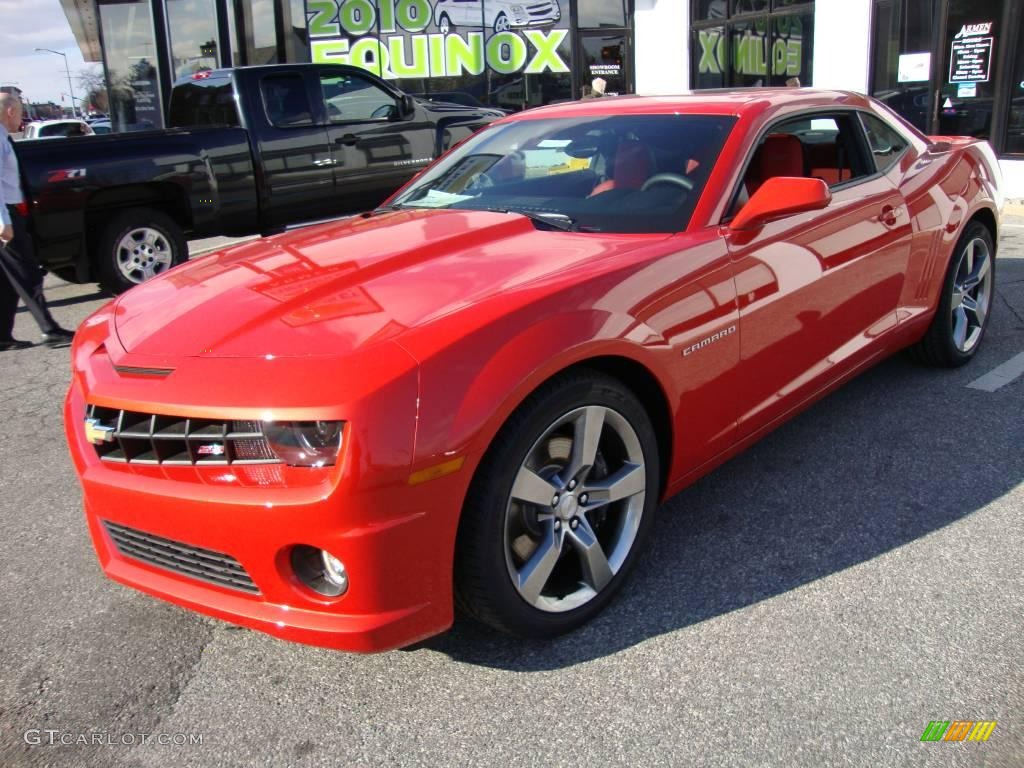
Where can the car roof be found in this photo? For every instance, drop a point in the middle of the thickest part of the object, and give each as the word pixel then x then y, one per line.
pixel 735 102
pixel 41 123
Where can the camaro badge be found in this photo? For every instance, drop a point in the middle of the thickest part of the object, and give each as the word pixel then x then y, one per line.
pixel 210 450
pixel 97 433
pixel 709 340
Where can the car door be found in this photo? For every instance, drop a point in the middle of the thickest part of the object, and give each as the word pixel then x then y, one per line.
pixel 374 148
pixel 816 290
pixel 298 182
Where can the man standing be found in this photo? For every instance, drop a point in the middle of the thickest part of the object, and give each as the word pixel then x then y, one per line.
pixel 20 273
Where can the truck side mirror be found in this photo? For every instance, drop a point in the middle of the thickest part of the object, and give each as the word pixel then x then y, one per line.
pixel 406 106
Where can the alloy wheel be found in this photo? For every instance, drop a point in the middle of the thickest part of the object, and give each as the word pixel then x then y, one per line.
pixel 143 253
pixel 972 294
pixel 575 509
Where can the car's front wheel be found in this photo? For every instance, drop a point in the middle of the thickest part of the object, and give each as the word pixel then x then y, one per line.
pixel 559 508
pixel 502 24
pixel 965 305
pixel 444 24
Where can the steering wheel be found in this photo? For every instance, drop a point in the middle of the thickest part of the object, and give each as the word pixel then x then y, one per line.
pixel 667 178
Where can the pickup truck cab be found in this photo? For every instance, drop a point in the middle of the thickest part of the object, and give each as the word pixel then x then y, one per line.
pixel 250 150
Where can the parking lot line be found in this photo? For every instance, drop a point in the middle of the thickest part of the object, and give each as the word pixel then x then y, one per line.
pixel 1001 375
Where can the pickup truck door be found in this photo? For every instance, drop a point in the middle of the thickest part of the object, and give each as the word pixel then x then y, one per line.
pixel 374 150
pixel 292 151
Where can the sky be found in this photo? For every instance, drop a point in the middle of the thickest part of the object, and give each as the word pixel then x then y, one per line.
pixel 25 26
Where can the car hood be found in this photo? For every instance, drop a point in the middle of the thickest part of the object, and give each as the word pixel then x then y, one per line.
pixel 335 288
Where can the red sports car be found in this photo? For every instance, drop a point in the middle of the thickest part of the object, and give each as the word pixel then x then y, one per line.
pixel 479 393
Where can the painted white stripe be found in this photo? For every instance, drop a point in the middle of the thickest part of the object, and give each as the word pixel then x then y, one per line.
pixel 1001 376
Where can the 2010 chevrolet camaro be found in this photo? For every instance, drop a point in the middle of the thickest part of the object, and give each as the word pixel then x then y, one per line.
pixel 479 393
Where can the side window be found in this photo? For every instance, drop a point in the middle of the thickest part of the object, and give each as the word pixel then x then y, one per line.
pixel 885 141
pixel 286 101
pixel 203 102
pixel 820 146
pixel 350 98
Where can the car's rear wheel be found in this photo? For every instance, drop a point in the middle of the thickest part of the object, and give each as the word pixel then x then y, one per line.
pixel 444 24
pixel 956 331
pixel 559 508
pixel 137 245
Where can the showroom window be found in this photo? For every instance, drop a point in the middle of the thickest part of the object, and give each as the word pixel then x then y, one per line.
pixel 751 43
pixel 131 59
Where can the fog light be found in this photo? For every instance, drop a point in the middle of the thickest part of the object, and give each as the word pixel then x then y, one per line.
pixel 334 570
pixel 319 570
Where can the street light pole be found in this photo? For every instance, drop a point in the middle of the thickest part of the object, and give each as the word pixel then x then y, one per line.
pixel 67 69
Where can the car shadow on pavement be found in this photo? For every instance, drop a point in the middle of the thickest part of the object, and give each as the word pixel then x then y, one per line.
pixel 876 465
pixel 69 301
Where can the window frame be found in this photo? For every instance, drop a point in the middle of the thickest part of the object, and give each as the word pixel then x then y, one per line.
pixel 860 139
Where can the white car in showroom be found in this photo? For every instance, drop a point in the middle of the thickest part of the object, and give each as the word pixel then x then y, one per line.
pixel 499 15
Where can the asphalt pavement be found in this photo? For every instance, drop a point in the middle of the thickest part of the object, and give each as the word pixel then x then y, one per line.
pixel 815 602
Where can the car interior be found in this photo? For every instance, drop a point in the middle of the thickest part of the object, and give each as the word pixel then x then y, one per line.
pixel 826 147
pixel 630 174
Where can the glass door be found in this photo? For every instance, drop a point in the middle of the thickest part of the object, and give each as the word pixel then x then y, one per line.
pixel 604 55
pixel 967 77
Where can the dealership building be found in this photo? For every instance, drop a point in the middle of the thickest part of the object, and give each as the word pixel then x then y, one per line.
pixel 948 66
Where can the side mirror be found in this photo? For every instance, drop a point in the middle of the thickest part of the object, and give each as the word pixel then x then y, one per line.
pixel 778 197
pixel 406 106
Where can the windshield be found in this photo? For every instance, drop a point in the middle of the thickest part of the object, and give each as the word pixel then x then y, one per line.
pixel 609 173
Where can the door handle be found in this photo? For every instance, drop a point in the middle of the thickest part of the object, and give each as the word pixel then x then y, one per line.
pixel 349 140
pixel 321 163
pixel 888 215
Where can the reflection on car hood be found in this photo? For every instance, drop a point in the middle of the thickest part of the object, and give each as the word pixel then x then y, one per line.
pixel 334 288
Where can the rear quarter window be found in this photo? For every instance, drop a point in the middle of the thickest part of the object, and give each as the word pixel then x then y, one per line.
pixel 203 102
pixel 886 143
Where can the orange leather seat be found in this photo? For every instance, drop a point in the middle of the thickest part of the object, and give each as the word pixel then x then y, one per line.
pixel 781 154
pixel 632 168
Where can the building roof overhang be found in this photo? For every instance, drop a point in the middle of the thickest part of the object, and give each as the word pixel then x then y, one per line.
pixel 83 16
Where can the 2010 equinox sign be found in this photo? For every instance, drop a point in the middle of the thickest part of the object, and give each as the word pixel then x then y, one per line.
pixel 391 39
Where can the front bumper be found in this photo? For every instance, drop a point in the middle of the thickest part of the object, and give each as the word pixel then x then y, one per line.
pixel 395 539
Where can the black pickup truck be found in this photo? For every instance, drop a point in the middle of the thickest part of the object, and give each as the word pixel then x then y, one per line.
pixel 250 150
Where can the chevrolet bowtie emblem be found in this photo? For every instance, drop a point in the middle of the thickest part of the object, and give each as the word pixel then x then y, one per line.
pixel 97 433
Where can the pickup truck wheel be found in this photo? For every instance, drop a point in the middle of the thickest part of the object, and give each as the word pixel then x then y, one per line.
pixel 137 245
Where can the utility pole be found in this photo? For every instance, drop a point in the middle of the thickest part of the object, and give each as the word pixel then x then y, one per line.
pixel 71 88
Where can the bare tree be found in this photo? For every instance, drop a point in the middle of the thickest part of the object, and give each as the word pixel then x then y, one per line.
pixel 95 87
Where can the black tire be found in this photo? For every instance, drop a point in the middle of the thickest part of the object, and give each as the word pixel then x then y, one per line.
pixel 498 26
pixel 444 24
pixel 106 254
pixel 484 585
pixel 937 347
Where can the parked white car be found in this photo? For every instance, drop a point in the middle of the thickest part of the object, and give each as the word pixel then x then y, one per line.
pixel 57 129
pixel 499 15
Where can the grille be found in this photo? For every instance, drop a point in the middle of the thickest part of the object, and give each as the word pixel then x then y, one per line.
pixel 203 564
pixel 146 438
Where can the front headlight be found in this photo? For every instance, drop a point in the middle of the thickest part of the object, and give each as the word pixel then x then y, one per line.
pixel 305 443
